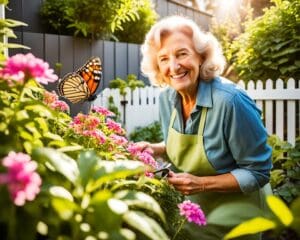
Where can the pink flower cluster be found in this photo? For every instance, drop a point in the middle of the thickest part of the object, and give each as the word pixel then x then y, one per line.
pixel 51 100
pixel 103 111
pixel 22 180
pixel 111 135
pixel 119 140
pixel 21 67
pixel 86 125
pixel 192 212
pixel 114 126
pixel 143 155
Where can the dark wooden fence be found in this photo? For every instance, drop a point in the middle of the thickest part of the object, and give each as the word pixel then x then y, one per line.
pixel 118 59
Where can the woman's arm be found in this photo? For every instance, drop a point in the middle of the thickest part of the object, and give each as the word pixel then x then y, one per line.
pixel 189 184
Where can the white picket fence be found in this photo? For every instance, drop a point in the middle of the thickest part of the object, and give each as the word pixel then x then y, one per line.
pixel 279 102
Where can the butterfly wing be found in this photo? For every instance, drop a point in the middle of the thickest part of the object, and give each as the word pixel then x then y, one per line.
pixel 91 72
pixel 74 88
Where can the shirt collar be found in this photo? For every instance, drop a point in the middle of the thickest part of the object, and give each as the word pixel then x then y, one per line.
pixel 204 94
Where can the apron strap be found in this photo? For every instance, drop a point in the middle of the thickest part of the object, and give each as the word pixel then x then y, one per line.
pixel 173 115
pixel 202 121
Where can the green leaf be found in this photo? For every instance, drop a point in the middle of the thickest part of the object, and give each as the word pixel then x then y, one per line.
pixel 64 207
pixel 42 123
pixel 70 148
pixel 56 144
pixel 87 162
pixel 53 136
pixel 21 115
pixel 58 191
pixel 60 161
pixel 32 128
pixel 141 200
pixel 227 215
pixel 145 224
pixel 280 210
pixel 252 226
pixel 286 52
pixel 41 110
pixel 102 213
pixel 295 208
pixel 25 135
pixel 112 170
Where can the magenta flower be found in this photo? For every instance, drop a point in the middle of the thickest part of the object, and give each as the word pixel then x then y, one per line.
pixel 134 149
pixel 20 67
pixel 22 180
pixel 192 212
pixel 114 126
pixel 147 158
pixel 119 140
pixel 103 111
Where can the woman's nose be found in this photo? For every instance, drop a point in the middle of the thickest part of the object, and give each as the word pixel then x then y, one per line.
pixel 174 65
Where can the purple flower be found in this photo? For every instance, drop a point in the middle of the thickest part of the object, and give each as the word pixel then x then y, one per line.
pixel 192 212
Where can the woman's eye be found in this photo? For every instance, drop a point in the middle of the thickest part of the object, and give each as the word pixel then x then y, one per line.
pixel 162 60
pixel 182 54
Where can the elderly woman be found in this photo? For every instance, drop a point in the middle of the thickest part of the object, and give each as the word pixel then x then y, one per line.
pixel 212 130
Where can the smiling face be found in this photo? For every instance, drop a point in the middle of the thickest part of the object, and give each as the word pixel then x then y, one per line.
pixel 178 62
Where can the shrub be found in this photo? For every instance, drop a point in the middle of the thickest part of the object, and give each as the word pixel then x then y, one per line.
pixel 270 46
pixel 285 175
pixel 88 18
pixel 134 31
pixel 151 133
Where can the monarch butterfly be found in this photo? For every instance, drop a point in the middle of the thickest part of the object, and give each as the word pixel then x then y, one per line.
pixel 83 84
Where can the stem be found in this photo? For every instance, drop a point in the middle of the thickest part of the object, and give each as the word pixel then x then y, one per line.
pixel 179 229
pixel 12 223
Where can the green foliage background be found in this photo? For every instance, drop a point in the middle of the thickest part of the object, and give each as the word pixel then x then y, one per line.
pixel 99 19
pixel 270 46
pixel 135 31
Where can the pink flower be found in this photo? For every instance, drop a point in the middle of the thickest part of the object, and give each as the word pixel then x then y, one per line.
pixel 149 174
pixel 134 149
pixel 119 140
pixel 99 135
pixel 103 111
pixel 83 122
pixel 192 212
pixel 143 155
pixel 22 180
pixel 114 126
pixel 60 105
pixel 146 158
pixel 50 97
pixel 20 67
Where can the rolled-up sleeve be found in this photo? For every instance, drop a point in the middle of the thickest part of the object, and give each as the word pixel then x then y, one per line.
pixel 247 141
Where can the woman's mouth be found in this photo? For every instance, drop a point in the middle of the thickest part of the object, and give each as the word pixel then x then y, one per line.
pixel 178 76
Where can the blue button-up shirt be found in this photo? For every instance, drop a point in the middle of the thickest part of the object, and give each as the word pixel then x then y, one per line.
pixel 235 139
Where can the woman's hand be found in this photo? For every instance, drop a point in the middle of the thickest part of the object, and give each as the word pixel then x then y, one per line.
pixel 186 183
pixel 189 184
pixel 153 148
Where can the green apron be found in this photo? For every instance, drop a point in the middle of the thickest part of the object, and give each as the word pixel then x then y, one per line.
pixel 187 153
